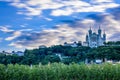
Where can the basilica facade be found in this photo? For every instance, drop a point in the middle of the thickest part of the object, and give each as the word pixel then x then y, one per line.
pixel 94 39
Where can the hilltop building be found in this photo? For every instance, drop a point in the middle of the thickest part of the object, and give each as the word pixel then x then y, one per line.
pixel 6 53
pixel 95 39
pixel 74 44
pixel 42 46
pixel 19 53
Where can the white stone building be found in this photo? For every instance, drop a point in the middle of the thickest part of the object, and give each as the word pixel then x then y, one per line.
pixel 95 39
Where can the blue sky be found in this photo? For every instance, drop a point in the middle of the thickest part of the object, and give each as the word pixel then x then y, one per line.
pixel 31 23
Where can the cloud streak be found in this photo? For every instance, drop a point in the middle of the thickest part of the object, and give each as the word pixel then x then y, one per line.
pixel 70 32
pixel 5 29
pixel 62 7
pixel 55 13
pixel 14 36
pixel 49 37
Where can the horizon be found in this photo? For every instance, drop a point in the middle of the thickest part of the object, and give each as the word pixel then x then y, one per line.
pixel 29 24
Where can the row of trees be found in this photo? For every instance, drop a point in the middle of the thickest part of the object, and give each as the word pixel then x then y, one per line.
pixel 71 54
pixel 103 52
pixel 64 72
pixel 112 43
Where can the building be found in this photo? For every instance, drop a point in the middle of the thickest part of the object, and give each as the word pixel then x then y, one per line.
pixel 74 44
pixel 85 44
pixel 42 46
pixel 19 53
pixel 95 39
pixel 6 53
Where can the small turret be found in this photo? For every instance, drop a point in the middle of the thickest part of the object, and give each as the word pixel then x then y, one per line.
pixel 99 31
pixel 86 38
pixel 90 32
pixel 104 36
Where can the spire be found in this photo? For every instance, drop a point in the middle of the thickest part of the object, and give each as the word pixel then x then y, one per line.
pixel 90 31
pixel 90 28
pixel 104 36
pixel 99 27
pixel 86 37
pixel 99 31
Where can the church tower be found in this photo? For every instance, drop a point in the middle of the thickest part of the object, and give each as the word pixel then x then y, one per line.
pixel 90 32
pixel 99 31
pixel 86 38
pixel 104 36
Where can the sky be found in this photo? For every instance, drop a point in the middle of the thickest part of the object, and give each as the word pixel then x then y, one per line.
pixel 28 24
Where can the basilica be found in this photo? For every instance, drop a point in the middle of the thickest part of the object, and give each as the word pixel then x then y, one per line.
pixel 95 39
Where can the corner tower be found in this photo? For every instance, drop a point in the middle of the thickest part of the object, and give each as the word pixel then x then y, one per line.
pixel 90 31
pixel 99 31
pixel 104 36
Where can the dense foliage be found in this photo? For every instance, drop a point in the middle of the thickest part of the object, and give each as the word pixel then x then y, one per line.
pixel 60 71
pixel 68 54
pixel 46 55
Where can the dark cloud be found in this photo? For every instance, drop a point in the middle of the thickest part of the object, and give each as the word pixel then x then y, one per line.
pixel 97 17
pixel 31 36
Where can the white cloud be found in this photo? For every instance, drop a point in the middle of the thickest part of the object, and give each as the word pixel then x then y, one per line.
pixel 65 12
pixel 67 33
pixel 15 35
pixel 5 29
pixel 112 27
pixel 38 2
pixel 78 8
pixel 88 21
pixel 100 1
pixel 24 25
pixel 17 46
pixel 62 33
pixel 19 5
pixel 20 12
pixel 60 7
pixel 107 22
pixel 33 11
pixel 48 19
pixel 26 30
pixel 47 4
pixel 49 37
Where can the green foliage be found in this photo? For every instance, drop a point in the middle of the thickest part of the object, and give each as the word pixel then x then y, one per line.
pixel 72 54
pixel 108 52
pixel 60 71
pixel 51 59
